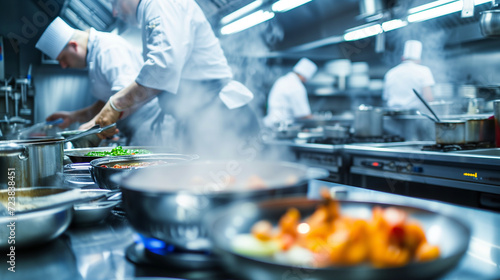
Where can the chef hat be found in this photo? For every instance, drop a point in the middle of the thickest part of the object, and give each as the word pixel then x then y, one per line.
pixel 413 50
pixel 55 38
pixel 305 68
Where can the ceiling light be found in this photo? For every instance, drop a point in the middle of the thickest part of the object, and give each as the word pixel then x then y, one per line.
pixel 438 8
pixel 364 32
pixel 393 24
pixel 286 5
pixel 247 22
pixel 241 12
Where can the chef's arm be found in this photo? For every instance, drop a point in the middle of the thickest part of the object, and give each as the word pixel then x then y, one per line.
pixel 82 115
pixel 427 93
pixel 117 104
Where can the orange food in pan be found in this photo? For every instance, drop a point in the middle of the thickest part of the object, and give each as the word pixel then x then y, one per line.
pixel 388 239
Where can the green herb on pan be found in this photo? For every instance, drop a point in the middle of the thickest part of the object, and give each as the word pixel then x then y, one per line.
pixel 118 151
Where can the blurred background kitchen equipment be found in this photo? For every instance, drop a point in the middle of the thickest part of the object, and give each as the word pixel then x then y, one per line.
pixel 189 191
pixel 340 68
pixel 368 121
pixel 286 130
pixel 496 110
pixel 451 235
pixel 489 21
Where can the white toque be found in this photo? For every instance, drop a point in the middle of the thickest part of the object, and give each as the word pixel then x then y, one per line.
pixel 413 50
pixel 305 68
pixel 55 38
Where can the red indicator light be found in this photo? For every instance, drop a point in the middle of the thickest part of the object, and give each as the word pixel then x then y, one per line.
pixel 375 164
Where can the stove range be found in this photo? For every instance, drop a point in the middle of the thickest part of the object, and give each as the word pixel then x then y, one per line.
pixel 355 139
pixel 457 147
pixel 154 252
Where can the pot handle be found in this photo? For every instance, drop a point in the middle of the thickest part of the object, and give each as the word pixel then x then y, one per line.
pixel 13 148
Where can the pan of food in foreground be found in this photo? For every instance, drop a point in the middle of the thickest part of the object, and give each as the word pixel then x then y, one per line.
pixel 327 239
pixel 103 168
pixel 170 202
pixel 89 154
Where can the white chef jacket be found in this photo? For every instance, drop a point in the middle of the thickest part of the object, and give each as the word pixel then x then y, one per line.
pixel 112 64
pixel 179 44
pixel 400 81
pixel 287 100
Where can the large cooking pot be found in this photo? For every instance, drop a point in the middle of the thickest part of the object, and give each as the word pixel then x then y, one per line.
pixel 480 130
pixel 490 22
pixel 368 121
pixel 169 203
pixel 36 162
pixel 450 132
pixel 496 110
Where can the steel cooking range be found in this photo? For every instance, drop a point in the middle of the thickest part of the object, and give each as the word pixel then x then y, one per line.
pixel 466 174
pixel 326 152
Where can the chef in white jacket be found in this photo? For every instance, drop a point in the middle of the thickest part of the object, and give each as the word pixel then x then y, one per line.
pixel 112 64
pixel 185 66
pixel 288 96
pixel 400 81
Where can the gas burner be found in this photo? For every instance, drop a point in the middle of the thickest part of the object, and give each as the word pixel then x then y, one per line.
pixel 457 147
pixel 153 252
pixel 355 139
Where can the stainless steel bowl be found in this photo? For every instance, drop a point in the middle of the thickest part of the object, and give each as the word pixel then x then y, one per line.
pixel 35 227
pixel 451 235
pixel 169 202
pixel 93 212
pixel 102 169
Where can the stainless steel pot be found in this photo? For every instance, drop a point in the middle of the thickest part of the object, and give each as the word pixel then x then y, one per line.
pixel 368 121
pixel 170 202
pixel 490 23
pixel 480 130
pixel 450 132
pixel 336 131
pixel 36 162
pixel 496 110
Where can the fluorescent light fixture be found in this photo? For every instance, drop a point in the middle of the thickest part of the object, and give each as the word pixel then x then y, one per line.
pixel 286 5
pixel 241 12
pixel 429 6
pixel 438 8
pixel 247 22
pixel 393 24
pixel 436 12
pixel 364 32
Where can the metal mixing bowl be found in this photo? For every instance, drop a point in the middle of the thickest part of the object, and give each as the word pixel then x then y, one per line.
pixel 35 227
pixel 169 202
pixel 93 212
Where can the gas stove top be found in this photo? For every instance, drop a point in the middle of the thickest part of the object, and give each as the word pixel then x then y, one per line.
pixel 457 147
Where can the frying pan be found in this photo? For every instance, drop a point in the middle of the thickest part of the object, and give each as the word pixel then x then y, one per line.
pixel 451 235
pixel 79 155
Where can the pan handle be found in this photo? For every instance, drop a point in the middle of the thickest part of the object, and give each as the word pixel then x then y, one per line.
pixel 93 130
pixel 13 148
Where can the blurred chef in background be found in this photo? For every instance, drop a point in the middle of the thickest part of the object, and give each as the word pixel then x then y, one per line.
pixel 186 67
pixel 400 81
pixel 112 65
pixel 288 96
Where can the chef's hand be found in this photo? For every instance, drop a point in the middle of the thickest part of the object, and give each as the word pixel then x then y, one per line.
pixel 106 116
pixel 68 118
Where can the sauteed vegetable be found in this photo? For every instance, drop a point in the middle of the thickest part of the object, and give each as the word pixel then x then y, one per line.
pixel 118 151
pixel 134 164
pixel 329 238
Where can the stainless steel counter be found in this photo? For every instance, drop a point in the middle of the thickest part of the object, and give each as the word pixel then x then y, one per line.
pixel 99 252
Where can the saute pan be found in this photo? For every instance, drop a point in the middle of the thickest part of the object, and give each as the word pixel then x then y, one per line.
pixel 451 235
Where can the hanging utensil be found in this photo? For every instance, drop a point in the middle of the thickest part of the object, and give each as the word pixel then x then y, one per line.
pixel 426 105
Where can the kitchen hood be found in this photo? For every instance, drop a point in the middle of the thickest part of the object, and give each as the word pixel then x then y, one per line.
pixel 83 14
